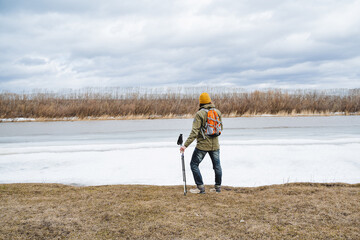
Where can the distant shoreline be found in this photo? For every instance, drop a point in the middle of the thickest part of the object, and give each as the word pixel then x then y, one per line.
pixel 125 104
pixel 186 116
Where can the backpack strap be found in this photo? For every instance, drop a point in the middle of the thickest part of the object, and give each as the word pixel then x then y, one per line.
pixel 206 110
pixel 202 129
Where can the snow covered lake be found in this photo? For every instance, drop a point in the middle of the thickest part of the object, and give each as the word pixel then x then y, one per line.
pixel 254 151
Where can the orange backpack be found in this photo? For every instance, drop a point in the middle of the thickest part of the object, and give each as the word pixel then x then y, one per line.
pixel 213 123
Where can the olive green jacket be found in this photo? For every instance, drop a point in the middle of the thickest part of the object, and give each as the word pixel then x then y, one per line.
pixel 209 143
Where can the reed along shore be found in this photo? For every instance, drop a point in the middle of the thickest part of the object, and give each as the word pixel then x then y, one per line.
pixel 134 103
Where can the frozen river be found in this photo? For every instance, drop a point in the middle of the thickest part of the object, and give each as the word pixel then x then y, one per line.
pixel 254 151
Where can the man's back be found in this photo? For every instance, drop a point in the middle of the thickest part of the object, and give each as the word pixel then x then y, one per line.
pixel 207 143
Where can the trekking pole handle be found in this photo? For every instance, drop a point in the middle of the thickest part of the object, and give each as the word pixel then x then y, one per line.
pixel 180 140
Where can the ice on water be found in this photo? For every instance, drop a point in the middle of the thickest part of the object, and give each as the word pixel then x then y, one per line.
pixel 254 151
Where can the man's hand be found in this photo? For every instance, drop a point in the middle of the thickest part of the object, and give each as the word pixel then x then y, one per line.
pixel 182 149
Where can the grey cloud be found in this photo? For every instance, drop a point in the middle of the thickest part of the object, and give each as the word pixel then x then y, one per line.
pixel 91 7
pixel 32 61
pixel 160 43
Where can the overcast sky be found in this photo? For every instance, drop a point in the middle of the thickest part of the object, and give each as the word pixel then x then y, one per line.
pixel 130 43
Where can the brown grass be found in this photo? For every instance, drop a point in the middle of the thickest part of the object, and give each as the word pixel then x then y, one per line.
pixel 289 211
pixel 133 103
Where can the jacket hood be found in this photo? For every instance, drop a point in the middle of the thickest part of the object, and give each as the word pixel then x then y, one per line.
pixel 207 106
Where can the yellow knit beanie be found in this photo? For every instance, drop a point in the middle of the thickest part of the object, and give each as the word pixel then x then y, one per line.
pixel 204 98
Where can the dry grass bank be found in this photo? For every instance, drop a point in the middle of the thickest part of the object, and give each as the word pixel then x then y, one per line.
pixel 290 211
pixel 133 104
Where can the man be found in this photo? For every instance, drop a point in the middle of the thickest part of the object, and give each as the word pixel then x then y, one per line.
pixel 205 144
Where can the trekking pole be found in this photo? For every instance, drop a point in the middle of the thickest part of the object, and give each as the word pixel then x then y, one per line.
pixel 180 142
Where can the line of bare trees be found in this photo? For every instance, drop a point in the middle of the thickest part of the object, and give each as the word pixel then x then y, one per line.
pixel 161 103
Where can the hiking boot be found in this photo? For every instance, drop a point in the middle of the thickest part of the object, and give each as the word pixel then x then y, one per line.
pixel 217 188
pixel 200 189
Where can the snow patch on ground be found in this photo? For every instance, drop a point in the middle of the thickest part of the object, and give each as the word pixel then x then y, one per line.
pixel 160 117
pixel 17 119
pixel 254 152
pixel 244 164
